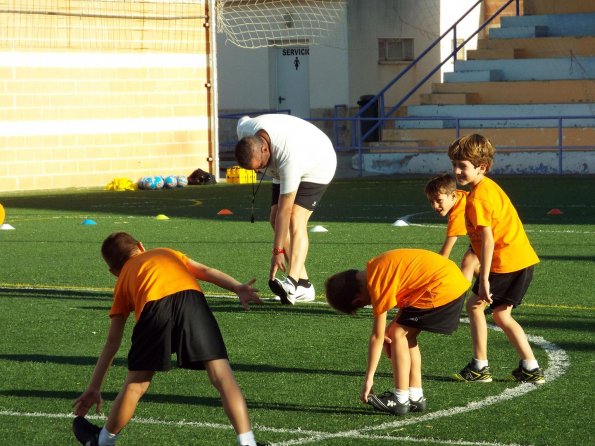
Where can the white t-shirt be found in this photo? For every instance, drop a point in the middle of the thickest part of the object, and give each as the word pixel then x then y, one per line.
pixel 300 151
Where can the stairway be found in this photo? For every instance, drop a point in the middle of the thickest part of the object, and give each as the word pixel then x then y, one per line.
pixel 534 66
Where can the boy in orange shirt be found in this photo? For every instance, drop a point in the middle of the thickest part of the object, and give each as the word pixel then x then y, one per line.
pixel 448 201
pixel 429 291
pixel 506 260
pixel 172 315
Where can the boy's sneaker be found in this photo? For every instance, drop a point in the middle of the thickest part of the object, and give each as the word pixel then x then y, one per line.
pixel 523 375
pixel 387 402
pixel 421 405
pixel 469 374
pixel 285 289
pixel 305 294
pixel 85 432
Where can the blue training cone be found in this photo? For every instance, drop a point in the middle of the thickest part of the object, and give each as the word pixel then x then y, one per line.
pixel 88 221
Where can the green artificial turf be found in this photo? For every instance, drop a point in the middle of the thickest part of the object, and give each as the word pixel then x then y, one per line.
pixel 301 368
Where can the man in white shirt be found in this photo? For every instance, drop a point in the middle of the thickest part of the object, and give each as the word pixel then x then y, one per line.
pixel 302 161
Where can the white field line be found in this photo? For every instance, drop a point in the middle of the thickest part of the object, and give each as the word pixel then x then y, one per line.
pixel 558 363
pixel 407 218
pixel 257 428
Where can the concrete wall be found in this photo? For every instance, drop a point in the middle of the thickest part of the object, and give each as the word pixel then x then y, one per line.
pixel 338 75
pixel 573 162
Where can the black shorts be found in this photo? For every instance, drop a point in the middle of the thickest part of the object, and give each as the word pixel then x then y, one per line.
pixel 181 323
pixel 507 288
pixel 308 194
pixel 443 320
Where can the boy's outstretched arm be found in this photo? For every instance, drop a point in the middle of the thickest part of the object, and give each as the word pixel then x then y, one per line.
pixel 92 395
pixel 375 346
pixel 447 246
pixel 246 293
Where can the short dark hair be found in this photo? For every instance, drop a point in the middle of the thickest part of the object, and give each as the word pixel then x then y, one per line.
pixel 442 184
pixel 341 290
pixel 117 248
pixel 245 150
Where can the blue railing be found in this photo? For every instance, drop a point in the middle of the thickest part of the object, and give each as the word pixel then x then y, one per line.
pixel 378 100
pixel 339 129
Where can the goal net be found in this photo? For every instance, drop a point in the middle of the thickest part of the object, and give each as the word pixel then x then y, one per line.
pixel 264 23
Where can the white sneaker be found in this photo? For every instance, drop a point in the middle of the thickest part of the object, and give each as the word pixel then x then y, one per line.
pixel 285 289
pixel 305 294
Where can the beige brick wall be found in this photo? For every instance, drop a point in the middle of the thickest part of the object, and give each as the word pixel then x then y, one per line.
pixel 88 93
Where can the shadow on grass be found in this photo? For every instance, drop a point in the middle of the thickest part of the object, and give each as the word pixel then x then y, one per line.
pixel 48 293
pixel 192 400
pixel 361 200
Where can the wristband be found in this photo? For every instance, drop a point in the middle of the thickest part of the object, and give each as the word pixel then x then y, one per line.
pixel 277 251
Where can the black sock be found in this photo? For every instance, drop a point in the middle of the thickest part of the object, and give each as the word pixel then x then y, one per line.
pixel 295 283
pixel 304 282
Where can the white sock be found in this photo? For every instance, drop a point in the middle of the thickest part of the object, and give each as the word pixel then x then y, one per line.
pixel 246 439
pixel 401 395
pixel 106 438
pixel 529 364
pixel 416 393
pixel 479 364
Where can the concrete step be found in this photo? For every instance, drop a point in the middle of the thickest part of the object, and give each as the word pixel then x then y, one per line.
pixel 498 53
pixel 499 115
pixel 582 24
pixel 524 69
pixel 449 98
pixel 538 7
pixel 473 76
pixel 425 139
pixel 518 32
pixel 517 92
pixel 542 47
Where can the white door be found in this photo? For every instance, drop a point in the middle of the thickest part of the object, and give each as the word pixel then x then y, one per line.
pixel 293 80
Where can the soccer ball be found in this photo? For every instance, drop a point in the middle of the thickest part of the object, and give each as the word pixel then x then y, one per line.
pixel 141 183
pixel 170 182
pixel 182 181
pixel 159 182
pixel 149 183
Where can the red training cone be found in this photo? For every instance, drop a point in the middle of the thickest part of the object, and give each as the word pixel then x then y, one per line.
pixel 555 211
pixel 224 212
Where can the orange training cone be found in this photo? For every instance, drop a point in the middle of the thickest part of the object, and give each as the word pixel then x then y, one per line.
pixel 555 212
pixel 224 212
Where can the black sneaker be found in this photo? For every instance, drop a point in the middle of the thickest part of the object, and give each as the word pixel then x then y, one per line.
pixel 387 402
pixel 469 374
pixel 421 405
pixel 85 432
pixel 523 375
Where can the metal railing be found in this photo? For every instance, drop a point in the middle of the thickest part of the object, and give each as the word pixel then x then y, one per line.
pixel 379 101
pixel 340 130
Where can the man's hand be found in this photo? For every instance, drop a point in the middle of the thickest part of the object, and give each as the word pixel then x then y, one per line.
pixel 277 263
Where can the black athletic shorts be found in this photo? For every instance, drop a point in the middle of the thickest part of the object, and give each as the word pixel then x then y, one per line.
pixel 507 288
pixel 181 323
pixel 308 194
pixel 444 319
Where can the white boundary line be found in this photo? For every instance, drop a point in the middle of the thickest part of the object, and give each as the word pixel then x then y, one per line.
pixel 558 363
